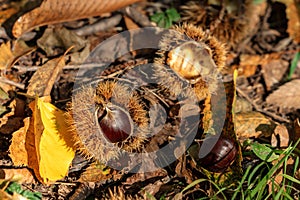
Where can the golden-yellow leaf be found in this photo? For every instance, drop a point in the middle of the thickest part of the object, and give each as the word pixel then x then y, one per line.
pixel 55 148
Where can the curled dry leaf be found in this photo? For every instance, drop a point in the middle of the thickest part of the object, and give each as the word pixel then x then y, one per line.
pixel 286 96
pixel 281 137
pixel 55 11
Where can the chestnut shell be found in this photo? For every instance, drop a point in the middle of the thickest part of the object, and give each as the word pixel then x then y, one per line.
pixel 221 156
pixel 115 123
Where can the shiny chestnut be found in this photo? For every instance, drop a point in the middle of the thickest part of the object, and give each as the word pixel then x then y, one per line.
pixel 220 157
pixel 115 123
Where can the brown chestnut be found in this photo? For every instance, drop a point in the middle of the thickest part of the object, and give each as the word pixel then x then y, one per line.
pixel 115 123
pixel 221 156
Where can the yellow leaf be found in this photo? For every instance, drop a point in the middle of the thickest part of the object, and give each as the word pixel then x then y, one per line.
pixel 55 147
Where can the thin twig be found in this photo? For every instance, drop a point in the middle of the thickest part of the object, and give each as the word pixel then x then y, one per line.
pixel 23 69
pixel 99 26
pixel 137 16
pixel 257 108
pixel 7 81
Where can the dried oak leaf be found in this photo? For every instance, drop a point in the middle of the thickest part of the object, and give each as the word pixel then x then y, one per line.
pixel 286 96
pixel 56 11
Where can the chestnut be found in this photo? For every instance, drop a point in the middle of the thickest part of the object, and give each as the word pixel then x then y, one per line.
pixel 221 156
pixel 115 123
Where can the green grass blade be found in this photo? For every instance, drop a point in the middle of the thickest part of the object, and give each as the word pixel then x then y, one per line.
pixel 290 178
pixel 241 184
pixel 258 190
pixel 294 65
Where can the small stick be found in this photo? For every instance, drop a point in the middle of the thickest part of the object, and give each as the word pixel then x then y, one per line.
pixel 99 26
pixel 7 81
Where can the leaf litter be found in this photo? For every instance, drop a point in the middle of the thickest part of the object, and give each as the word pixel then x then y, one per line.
pixel 265 86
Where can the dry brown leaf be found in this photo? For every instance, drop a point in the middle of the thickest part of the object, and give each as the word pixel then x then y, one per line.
pixel 286 96
pixel 273 72
pixel 5 196
pixel 293 15
pixel 17 149
pixel 281 170
pixel 59 37
pixel 6 55
pixel 96 172
pixel 281 137
pixel 22 175
pixel 43 79
pixel 130 24
pixel 253 124
pixel 10 53
pixel 55 11
pixel 12 121
pixel 248 63
pixel 9 8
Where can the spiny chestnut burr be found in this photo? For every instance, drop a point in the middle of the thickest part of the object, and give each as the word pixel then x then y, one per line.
pixel 221 156
pixel 189 55
pixel 229 21
pixel 108 119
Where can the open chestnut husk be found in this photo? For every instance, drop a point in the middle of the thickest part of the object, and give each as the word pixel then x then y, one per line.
pixel 220 157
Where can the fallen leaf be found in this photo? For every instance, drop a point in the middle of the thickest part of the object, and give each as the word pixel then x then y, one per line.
pixel 59 37
pixel 130 24
pixel 55 148
pixel 55 11
pixel 273 72
pixel 96 172
pixel 19 175
pixel 11 121
pixel 248 63
pixel 43 79
pixel 45 143
pixel 284 168
pixel 281 137
pixel 11 52
pixel 253 125
pixel 17 149
pixel 7 56
pixel 286 96
pixel 9 8
pixel 3 99
pixel 293 15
